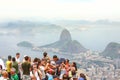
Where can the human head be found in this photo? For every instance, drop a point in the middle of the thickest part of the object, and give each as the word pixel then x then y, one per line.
pixel 17 55
pixel 55 58
pixel 13 59
pixel 83 76
pixel 26 58
pixel 12 71
pixel 4 74
pixel 67 61
pixel 45 54
pixel 74 65
pixel 9 57
pixel 35 60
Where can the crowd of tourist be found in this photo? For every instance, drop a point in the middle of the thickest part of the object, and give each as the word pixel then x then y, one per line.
pixel 46 68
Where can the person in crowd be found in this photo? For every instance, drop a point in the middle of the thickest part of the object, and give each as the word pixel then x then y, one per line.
pixel 45 56
pixel 15 65
pixel 2 66
pixel 35 61
pixel 57 60
pixel 74 70
pixel 26 69
pixel 67 66
pixel 62 71
pixel 41 67
pixel 14 76
pixel 24 58
pixel 82 77
pixel 9 65
pixel 4 75
pixel 18 57
pixel 35 73
pixel 49 74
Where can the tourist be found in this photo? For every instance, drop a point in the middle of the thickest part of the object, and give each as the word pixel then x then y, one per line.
pixel 57 60
pixel 14 76
pixel 82 77
pixel 62 71
pixel 35 73
pixel 15 65
pixel 18 57
pixel 41 67
pixel 74 70
pixel 4 75
pixel 26 69
pixel 9 65
pixel 45 56
pixel 2 66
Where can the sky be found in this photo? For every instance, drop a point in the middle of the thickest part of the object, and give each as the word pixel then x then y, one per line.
pixel 52 10
pixel 60 9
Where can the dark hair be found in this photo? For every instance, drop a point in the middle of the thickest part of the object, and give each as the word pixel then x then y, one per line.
pixel 17 53
pixel 55 56
pixel 35 59
pixel 65 77
pixel 13 59
pixel 9 57
pixel 45 54
pixel 26 58
pixel 74 65
pixel 83 76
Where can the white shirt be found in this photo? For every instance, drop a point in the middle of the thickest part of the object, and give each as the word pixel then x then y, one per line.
pixel 1 78
pixel 17 59
pixel 2 63
pixel 36 75
pixel 42 69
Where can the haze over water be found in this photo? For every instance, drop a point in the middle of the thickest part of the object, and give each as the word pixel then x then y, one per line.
pixel 94 23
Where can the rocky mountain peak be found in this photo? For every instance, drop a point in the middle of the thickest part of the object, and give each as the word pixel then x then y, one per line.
pixel 65 35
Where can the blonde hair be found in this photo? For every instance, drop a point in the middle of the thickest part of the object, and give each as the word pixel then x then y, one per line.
pixel 4 74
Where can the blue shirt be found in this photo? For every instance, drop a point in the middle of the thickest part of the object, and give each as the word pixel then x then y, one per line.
pixel 81 79
pixel 50 77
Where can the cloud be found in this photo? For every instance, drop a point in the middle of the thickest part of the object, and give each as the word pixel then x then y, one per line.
pixel 19 27
pixel 9 32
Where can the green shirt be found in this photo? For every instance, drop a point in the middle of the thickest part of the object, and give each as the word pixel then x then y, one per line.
pixel 26 68
pixel 15 65
pixel 14 77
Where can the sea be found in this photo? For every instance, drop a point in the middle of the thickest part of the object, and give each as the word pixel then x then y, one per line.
pixel 8 46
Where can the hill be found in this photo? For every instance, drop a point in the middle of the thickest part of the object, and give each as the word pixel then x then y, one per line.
pixel 66 44
pixel 25 44
pixel 112 50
